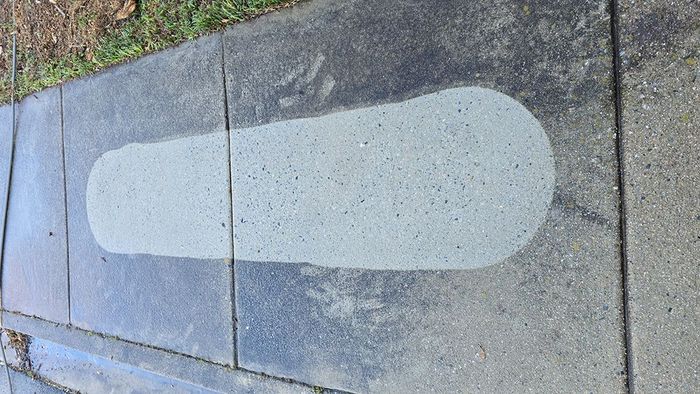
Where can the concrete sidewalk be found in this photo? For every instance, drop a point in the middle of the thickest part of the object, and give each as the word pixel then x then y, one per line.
pixel 369 197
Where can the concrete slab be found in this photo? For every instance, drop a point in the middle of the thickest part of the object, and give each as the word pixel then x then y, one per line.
pixel 35 264
pixel 22 383
pixel 177 303
pixel 101 364
pixel 84 372
pixel 661 119
pixel 546 318
pixel 5 151
pixel 160 198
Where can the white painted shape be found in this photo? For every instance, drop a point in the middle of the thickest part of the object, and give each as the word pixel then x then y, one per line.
pixel 169 198
pixel 457 179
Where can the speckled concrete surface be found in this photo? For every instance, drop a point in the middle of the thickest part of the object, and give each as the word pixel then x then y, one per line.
pixel 177 303
pixel 660 43
pixel 547 318
pixel 456 179
pixel 35 257
pixel 167 198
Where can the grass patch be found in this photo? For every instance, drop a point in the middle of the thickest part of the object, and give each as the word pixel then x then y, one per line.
pixel 66 39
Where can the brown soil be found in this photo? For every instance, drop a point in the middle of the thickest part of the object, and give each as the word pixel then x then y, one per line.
pixel 20 343
pixel 59 40
pixel 50 29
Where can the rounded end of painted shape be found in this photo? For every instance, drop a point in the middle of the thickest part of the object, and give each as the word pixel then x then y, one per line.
pixel 457 179
pixel 166 198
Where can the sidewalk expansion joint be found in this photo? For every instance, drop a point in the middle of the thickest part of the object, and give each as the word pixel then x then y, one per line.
pixel 234 319
pixel 65 198
pixel 619 148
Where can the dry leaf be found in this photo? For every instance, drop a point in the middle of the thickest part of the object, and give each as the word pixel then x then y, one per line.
pixel 126 10
pixel 482 353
